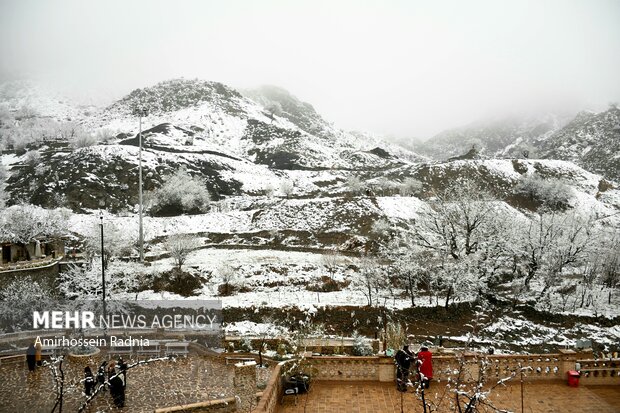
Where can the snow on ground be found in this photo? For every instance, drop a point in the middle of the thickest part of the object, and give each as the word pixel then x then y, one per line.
pixel 233 221
pixel 401 207
pixel 515 331
pixel 9 159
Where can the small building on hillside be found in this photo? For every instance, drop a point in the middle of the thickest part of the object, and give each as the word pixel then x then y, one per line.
pixel 36 249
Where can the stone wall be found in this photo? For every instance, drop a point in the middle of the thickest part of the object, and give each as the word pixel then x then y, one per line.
pixel 245 384
pixel 45 275
pixel 272 394
pixel 371 368
pixel 599 372
pixel 212 406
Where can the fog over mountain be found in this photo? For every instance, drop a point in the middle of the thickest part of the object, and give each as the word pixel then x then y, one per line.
pixel 395 68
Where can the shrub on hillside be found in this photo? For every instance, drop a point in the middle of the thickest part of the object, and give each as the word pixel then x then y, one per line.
pixel 551 193
pixel 180 193
pixel 178 282
pixel 410 187
pixel 327 284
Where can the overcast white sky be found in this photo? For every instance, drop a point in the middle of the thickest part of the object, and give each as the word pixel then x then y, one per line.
pixel 404 68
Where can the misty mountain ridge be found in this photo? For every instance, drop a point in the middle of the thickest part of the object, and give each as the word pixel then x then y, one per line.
pixel 589 139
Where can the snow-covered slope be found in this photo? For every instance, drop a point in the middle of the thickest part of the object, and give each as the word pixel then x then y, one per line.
pixel 219 118
pixel 591 140
pixel 26 99
pixel 499 137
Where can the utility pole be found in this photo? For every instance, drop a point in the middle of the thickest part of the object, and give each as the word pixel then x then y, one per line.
pixel 102 256
pixel 142 111
pixel 102 265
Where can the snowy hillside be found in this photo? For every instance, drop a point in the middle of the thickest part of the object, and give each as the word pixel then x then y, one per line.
pixel 28 99
pixel 591 140
pixel 302 213
pixel 588 139
pixel 505 136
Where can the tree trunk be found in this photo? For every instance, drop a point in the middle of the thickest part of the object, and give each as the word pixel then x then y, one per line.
pixel 448 295
pixel 411 285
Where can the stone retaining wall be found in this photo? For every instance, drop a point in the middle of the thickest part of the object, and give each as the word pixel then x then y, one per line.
pixel 227 405
pixel 46 275
pixel 537 367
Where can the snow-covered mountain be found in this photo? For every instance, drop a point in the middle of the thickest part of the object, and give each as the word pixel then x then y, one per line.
pixel 588 139
pixel 25 99
pixel 235 144
pixel 591 140
pixel 494 138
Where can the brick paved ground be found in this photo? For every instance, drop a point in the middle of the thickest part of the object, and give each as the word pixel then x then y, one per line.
pixel 375 397
pixel 160 384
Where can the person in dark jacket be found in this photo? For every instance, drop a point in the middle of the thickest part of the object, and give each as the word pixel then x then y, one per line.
pixel 101 374
pixel 31 354
pixel 403 359
pixel 425 366
pixel 117 387
pixel 89 381
pixel 122 366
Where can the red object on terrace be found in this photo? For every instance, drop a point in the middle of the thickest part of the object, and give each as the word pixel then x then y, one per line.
pixel 573 378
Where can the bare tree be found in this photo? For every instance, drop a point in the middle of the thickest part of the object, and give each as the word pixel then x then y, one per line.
pixel 274 109
pixel 370 276
pixel 331 260
pixel 355 185
pixel 117 243
pixel 180 247
pixel 465 237
pixel 286 187
pixel 227 274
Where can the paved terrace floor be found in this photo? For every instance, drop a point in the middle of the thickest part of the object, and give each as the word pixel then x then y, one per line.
pixel 375 397
pixel 159 384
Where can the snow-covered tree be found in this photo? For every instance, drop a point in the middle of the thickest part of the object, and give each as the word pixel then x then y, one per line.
pixel 274 109
pixel 116 242
pixel 548 193
pixel 610 274
pixel 462 230
pixel 23 223
pixel 416 269
pixel 287 187
pixel 385 186
pixel 84 281
pixel 228 277
pixel 180 246
pixel 381 229
pixel 180 193
pixel 458 221
pixel 331 260
pixel 3 175
pixel 370 278
pixel 410 187
pixel 16 301
pixel 550 243
pixel 355 185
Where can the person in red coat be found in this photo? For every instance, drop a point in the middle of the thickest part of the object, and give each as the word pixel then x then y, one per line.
pixel 425 366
